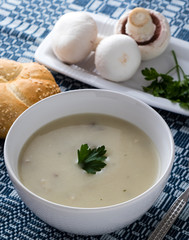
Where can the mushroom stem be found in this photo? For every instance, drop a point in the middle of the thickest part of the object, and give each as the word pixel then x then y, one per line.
pixel 139 25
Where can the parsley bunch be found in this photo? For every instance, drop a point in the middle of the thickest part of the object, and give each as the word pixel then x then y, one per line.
pixel 91 160
pixel 164 85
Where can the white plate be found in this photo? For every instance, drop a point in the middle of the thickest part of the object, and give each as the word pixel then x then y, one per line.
pixel 85 71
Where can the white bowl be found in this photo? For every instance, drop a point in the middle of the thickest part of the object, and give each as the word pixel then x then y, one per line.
pixel 90 221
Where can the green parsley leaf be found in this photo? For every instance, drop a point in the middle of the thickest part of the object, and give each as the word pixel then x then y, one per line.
pixel 164 85
pixel 91 160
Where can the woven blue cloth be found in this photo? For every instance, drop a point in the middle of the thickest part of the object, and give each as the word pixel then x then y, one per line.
pixel 23 25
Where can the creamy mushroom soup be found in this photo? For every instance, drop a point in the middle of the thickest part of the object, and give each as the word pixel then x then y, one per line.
pixel 48 162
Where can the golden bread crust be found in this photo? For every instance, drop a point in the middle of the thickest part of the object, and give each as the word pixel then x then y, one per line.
pixel 21 85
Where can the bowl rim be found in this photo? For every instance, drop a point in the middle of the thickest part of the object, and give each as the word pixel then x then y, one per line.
pixel 160 180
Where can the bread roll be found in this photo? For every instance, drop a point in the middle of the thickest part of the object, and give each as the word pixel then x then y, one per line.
pixel 21 85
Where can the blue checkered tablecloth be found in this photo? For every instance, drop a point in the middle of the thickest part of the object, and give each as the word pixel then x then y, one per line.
pixel 23 25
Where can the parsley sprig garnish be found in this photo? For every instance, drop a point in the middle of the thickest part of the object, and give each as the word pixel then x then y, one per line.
pixel 91 160
pixel 164 85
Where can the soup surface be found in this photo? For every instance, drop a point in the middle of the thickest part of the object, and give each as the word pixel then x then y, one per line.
pixel 48 162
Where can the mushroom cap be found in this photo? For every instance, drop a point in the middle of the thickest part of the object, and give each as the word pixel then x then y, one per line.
pixel 153 48
pixel 74 36
pixel 117 57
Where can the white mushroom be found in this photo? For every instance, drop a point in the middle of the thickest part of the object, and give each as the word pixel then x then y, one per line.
pixel 117 57
pixel 74 37
pixel 149 28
